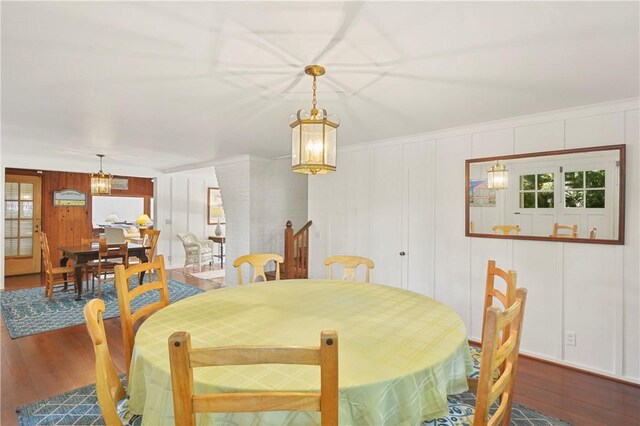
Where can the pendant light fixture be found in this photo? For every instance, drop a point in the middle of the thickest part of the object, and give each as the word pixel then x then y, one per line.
pixel 313 135
pixel 100 182
pixel 497 176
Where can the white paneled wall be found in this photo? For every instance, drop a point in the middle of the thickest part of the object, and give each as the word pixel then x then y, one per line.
pixel 409 194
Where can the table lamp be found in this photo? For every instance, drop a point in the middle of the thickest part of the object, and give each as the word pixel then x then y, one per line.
pixel 143 220
pixel 217 212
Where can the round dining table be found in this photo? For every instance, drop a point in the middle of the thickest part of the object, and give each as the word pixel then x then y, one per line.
pixel 400 353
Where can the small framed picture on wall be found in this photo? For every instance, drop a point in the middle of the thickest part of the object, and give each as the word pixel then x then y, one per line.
pixel 214 207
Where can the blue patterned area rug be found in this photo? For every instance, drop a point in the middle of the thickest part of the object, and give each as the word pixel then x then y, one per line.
pixel 28 311
pixel 76 407
pixel 80 407
pixel 461 412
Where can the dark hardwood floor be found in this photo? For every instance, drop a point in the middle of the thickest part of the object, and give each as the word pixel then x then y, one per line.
pixel 43 365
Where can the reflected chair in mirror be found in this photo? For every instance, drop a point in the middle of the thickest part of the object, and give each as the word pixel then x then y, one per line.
pixel 498 352
pixel 593 233
pixel 564 231
pixel 109 390
pixel 109 256
pixel 349 263
pixel 506 229
pixel 197 252
pixel 183 359
pixel 60 276
pixel 128 319
pixel 503 297
pixel 258 261
pixel 472 227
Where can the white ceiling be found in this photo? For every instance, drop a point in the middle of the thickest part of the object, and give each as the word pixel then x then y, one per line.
pixel 187 82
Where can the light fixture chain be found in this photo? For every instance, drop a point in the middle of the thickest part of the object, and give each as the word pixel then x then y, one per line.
pixel 315 101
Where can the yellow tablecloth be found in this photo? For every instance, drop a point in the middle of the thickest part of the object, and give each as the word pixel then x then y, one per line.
pixel 400 353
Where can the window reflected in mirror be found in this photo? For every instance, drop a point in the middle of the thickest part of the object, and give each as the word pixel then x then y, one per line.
pixel 572 195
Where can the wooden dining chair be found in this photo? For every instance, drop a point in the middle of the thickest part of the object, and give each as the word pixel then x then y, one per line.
pixel 129 319
pixel 55 276
pixel 506 229
pixel 109 388
pixel 258 261
pixel 109 256
pixel 500 348
pixel 559 231
pixel 149 239
pixel 182 360
pixel 349 263
pixel 504 296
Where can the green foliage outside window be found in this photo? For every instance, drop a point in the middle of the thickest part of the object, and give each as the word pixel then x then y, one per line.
pixel 536 191
pixel 584 189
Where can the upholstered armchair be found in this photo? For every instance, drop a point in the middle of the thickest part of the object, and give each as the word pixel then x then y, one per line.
pixel 197 252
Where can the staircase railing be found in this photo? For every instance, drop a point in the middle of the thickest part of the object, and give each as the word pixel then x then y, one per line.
pixel 296 252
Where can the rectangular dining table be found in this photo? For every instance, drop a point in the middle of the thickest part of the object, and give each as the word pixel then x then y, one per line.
pixel 82 254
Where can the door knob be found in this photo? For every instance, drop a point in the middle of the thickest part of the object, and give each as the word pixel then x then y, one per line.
pixel 402 253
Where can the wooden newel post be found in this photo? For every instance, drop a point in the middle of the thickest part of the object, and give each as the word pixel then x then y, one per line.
pixel 288 251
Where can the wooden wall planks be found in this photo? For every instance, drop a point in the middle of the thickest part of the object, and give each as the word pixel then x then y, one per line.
pixel 68 225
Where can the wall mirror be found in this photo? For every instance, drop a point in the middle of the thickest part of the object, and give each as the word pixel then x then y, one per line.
pixel 573 195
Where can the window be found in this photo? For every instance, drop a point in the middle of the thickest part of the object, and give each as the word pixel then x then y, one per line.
pixel 584 189
pixel 536 191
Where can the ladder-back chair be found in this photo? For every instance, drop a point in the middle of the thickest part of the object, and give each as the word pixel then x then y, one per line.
pixel 183 359
pixel 128 319
pixel 559 231
pixel 500 350
pixel 55 276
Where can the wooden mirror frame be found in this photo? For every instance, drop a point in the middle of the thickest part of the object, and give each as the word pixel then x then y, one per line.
pixel 621 194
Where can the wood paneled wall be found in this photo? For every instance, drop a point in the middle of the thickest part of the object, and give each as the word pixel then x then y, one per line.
pixel 68 225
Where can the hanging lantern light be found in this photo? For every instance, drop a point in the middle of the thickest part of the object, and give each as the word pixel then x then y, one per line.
pixel 100 182
pixel 497 176
pixel 313 135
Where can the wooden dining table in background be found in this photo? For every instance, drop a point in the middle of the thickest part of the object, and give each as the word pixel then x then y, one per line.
pixel 82 254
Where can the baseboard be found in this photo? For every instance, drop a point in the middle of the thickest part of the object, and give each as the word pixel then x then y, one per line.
pixel 570 366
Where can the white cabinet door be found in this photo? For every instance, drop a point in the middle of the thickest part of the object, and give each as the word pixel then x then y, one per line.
pixel 386 215
pixel 418 214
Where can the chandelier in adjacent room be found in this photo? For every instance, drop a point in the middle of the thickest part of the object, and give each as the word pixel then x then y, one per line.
pixel 100 182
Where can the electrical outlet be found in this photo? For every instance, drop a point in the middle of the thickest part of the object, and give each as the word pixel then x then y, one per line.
pixel 570 338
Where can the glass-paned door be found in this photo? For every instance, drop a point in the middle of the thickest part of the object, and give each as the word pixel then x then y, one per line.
pixel 22 221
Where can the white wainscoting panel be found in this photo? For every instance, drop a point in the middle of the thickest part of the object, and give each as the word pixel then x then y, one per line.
pixel 592 290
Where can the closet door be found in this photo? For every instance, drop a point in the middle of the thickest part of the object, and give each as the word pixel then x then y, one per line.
pixel 419 217
pixel 386 215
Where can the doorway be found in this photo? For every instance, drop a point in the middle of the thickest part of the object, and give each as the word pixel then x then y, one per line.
pixel 22 224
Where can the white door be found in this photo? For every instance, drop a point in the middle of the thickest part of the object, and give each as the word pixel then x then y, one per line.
pixel 418 213
pixel 386 215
